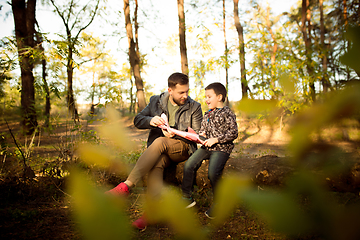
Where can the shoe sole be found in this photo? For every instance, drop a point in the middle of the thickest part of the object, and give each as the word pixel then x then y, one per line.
pixel 206 214
pixel 191 204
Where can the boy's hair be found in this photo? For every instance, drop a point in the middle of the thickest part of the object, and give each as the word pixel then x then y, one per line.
pixel 177 78
pixel 218 89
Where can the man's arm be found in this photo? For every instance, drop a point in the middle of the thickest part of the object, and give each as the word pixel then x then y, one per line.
pixel 142 119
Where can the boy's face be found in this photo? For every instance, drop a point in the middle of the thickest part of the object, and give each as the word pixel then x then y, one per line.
pixel 179 93
pixel 212 100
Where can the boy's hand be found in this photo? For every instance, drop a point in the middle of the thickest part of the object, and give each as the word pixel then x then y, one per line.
pixel 211 141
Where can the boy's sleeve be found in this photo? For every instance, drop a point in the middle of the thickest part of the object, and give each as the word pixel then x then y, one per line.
pixel 202 128
pixel 232 130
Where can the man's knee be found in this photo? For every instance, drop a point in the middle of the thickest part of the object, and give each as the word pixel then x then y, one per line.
pixel 160 141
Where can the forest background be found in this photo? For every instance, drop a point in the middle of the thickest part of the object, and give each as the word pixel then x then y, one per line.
pixel 294 69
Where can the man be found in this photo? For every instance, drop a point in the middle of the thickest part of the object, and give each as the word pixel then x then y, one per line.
pixel 163 147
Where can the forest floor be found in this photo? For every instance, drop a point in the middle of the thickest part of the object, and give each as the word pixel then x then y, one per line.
pixel 41 209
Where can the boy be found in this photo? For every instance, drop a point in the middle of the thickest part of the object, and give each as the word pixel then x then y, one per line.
pixel 220 129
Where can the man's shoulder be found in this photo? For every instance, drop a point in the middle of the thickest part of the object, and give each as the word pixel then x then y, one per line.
pixel 154 97
pixel 192 102
pixel 157 98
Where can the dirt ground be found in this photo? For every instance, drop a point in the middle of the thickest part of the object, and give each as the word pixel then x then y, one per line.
pixel 41 209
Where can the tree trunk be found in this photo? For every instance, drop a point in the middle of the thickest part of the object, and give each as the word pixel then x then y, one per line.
pixel 309 52
pixel 226 56
pixel 239 28
pixel 134 59
pixel 71 44
pixel 325 78
pixel 347 42
pixel 24 19
pixel 273 50
pixel 306 25
pixel 132 103
pixel 47 93
pixel 39 42
pixel 182 38
pixel 136 26
pixel 70 93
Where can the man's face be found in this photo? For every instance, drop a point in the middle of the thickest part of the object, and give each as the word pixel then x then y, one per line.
pixel 179 93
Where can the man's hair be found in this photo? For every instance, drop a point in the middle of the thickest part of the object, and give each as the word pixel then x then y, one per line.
pixel 177 78
pixel 218 89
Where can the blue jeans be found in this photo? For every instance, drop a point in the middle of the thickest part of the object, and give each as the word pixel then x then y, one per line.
pixel 217 161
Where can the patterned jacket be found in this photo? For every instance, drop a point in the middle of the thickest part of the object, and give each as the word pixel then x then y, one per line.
pixel 220 123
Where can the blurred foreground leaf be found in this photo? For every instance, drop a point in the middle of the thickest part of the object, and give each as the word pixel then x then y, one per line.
pixel 288 84
pixel 351 58
pixel 115 132
pixel 171 210
pixel 102 156
pixel 99 216
pixel 301 209
pixel 252 106
pixel 227 197
pixel 341 104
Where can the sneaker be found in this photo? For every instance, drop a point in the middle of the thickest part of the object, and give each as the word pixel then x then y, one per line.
pixel 120 190
pixel 141 223
pixel 190 202
pixel 209 213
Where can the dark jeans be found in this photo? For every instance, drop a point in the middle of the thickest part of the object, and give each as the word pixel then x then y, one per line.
pixel 217 161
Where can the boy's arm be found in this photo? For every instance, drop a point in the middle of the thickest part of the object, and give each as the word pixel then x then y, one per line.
pixel 232 131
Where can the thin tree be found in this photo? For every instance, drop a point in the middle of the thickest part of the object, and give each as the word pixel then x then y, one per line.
pixel 24 19
pixel 240 30
pixel 274 48
pixel 182 37
pixel 70 17
pixel 306 32
pixel 134 58
pixel 45 83
pixel 325 78
pixel 226 54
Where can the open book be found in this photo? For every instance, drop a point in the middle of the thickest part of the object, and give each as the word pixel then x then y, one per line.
pixel 190 134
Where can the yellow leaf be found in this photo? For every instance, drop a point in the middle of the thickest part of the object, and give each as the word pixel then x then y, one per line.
pixel 172 209
pixel 229 195
pixel 115 132
pixel 98 216
pixel 95 154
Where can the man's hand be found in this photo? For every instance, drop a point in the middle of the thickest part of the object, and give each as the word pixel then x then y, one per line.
pixel 168 134
pixel 211 141
pixel 156 121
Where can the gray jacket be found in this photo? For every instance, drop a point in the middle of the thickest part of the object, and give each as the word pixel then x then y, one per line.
pixel 188 115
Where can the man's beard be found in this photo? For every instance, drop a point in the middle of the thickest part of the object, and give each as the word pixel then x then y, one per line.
pixel 179 103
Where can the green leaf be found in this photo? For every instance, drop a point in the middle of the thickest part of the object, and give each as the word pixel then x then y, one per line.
pixel 99 216
pixel 228 196
pixel 115 132
pixel 250 106
pixel 170 208
pixel 351 58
